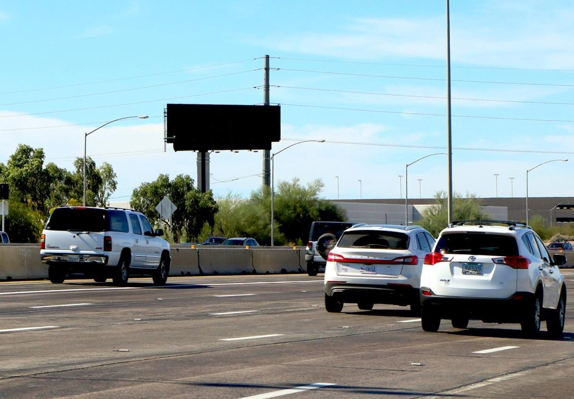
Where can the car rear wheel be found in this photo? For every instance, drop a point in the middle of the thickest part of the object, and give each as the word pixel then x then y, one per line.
pixel 365 305
pixel 416 307
pixel 460 321
pixel 556 318
pixel 160 274
pixel 312 268
pixel 430 320
pixel 56 274
pixel 333 305
pixel 532 314
pixel 121 274
pixel 100 277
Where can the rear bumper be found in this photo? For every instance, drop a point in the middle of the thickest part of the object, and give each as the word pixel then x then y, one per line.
pixel 387 294
pixel 84 262
pixel 488 310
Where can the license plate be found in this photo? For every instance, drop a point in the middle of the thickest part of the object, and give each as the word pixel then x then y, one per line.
pixel 368 269
pixel 472 268
pixel 73 258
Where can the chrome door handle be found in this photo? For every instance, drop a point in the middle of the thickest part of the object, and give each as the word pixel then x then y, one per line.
pixel 137 241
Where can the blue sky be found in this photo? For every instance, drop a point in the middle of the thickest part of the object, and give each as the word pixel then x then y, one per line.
pixel 368 77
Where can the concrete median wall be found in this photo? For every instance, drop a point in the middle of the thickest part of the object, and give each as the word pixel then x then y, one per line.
pixel 22 261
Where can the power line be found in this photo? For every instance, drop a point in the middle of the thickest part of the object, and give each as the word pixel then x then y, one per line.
pixel 425 97
pixel 424 65
pixel 427 79
pixel 430 114
pixel 126 90
pixel 127 78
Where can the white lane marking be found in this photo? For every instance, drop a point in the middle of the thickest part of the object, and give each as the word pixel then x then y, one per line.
pixel 238 312
pixel 256 283
pixel 253 337
pixel 289 391
pixel 481 384
pixel 502 348
pixel 409 321
pixel 60 306
pixel 28 329
pixel 232 295
pixel 69 290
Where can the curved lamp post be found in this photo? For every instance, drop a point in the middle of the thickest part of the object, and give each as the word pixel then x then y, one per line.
pixel 273 181
pixel 86 140
pixel 407 184
pixel 530 170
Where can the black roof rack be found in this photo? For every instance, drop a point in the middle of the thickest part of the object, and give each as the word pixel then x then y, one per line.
pixel 510 223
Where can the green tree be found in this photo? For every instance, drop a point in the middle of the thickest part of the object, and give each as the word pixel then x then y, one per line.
pixel 23 224
pixel 194 208
pixel 435 218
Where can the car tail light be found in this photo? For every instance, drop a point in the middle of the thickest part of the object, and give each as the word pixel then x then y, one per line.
pixel 426 291
pixel 517 262
pixel 43 242
pixel 434 257
pixel 309 245
pixel 334 257
pixel 406 260
pixel 107 243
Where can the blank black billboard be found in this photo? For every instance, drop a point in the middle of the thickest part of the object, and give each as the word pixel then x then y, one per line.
pixel 204 127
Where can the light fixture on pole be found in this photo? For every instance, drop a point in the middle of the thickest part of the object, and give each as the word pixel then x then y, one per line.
pixel 530 170
pixel 273 182
pixel 86 141
pixel 512 187
pixel 496 184
pixel 360 189
pixel 407 183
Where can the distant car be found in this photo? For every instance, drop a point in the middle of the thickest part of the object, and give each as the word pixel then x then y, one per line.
pixel 241 241
pixel 213 241
pixel 4 238
pixel 564 245
pixel 329 233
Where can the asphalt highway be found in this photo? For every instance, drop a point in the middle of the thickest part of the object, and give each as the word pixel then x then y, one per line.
pixel 257 337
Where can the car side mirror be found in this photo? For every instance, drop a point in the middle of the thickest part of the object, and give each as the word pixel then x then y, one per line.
pixel 559 259
pixel 158 232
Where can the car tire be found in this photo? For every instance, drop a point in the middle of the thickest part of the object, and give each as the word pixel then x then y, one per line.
pixel 56 274
pixel 532 315
pixel 333 305
pixel 416 307
pixel 365 305
pixel 312 269
pixel 100 277
pixel 121 272
pixel 460 321
pixel 430 320
pixel 557 317
pixel 161 274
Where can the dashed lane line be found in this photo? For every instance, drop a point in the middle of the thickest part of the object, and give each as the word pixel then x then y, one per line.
pixel 284 392
pixel 253 337
pixel 67 305
pixel 233 313
pixel 232 295
pixel 68 290
pixel 502 348
pixel 11 330
pixel 409 321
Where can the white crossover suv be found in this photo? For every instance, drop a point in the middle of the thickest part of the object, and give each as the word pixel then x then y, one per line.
pixel 376 264
pixel 495 272
pixel 102 243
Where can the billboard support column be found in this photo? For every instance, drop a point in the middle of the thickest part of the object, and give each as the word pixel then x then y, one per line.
pixel 203 171
pixel 266 153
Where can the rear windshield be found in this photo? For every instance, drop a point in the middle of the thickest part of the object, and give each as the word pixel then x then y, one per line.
pixel 237 241
pixel 336 228
pixel 374 239
pixel 477 244
pixel 78 219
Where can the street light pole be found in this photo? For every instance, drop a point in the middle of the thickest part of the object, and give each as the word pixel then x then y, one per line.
pixel 273 182
pixel 496 184
pixel 530 170
pixel 337 177
pixel 512 187
pixel 360 189
pixel 400 186
pixel 407 183
pixel 86 141
pixel 420 189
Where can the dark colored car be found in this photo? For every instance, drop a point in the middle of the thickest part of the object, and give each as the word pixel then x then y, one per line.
pixel 565 245
pixel 242 241
pixel 213 241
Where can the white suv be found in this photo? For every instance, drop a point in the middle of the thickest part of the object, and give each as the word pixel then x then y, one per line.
pixel 495 272
pixel 102 243
pixel 376 264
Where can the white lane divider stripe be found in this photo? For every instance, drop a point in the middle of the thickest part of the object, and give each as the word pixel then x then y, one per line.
pixel 253 337
pixel 69 290
pixel 231 313
pixel 502 348
pixel 480 384
pixel 409 321
pixel 289 391
pixel 60 306
pixel 28 329
pixel 232 295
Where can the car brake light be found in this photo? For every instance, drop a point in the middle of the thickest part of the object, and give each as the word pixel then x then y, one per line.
pixel 333 257
pixel 434 257
pixel 43 242
pixel 517 262
pixel 310 245
pixel 406 260
pixel 107 243
pixel 426 291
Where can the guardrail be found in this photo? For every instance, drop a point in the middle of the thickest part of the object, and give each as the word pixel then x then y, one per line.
pixel 22 261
